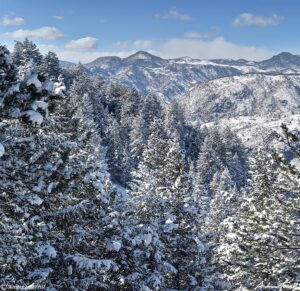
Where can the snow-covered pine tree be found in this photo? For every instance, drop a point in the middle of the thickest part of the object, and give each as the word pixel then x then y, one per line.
pixel 208 162
pixel 60 227
pixel 7 74
pixel 169 251
pixel 185 246
pixel 235 158
pixel 261 247
pixel 24 171
pixel 223 203
pixel 50 68
pixel 137 141
pixel 150 109
pixel 148 263
pixel 25 52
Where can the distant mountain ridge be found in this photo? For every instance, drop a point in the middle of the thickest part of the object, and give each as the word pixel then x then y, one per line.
pixel 170 78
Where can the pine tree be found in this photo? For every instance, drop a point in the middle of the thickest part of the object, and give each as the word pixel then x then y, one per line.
pixel 61 225
pixel 25 52
pixel 49 67
pixel 223 203
pixel 137 141
pixel 166 220
pixel 7 75
pixel 261 248
pixel 208 162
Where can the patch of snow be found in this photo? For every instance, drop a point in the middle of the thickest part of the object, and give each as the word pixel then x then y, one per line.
pixel 33 80
pixel 91 264
pixel 35 200
pixel 39 104
pixel 59 88
pixel 2 150
pixel 122 191
pixel 147 238
pixel 48 85
pixel 34 117
pixel 13 89
pixel 40 273
pixel 45 249
pixel 114 245
pixel 15 112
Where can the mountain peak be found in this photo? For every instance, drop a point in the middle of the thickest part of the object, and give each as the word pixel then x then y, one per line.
pixel 142 55
pixel 284 60
pixel 284 55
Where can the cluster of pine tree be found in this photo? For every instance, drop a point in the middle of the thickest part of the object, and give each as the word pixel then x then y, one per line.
pixel 104 189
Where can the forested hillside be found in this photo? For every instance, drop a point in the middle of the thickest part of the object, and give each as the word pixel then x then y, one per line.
pixel 105 188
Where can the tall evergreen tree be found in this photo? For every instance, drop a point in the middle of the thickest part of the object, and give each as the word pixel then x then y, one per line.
pixel 261 248
pixel 25 52
pixel 60 227
pixel 50 68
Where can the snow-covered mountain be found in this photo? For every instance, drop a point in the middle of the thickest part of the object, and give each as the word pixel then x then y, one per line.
pixel 282 62
pixel 167 78
pixel 170 78
pixel 247 95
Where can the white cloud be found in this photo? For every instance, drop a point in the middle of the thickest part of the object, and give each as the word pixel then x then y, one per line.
pixel 216 48
pixel 14 21
pixel 121 44
pixel 173 14
pixel 44 32
pixel 58 17
pixel 192 34
pixel 83 44
pixel 139 43
pixel 142 43
pixel 248 19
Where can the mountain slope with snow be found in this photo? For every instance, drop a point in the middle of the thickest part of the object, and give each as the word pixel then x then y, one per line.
pixel 166 78
pixel 169 78
pixel 248 95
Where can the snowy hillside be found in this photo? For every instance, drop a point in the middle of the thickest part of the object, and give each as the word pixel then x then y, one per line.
pixel 248 95
pixel 256 131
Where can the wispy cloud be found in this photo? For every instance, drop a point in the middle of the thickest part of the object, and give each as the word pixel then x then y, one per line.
pixel 121 44
pixel 142 43
pixel 248 19
pixel 196 35
pixel 87 43
pixel 211 49
pixel 45 32
pixel 173 14
pixel 58 17
pixel 134 44
pixel 11 21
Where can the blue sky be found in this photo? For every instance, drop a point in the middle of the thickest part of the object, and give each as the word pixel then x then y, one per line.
pixel 86 29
